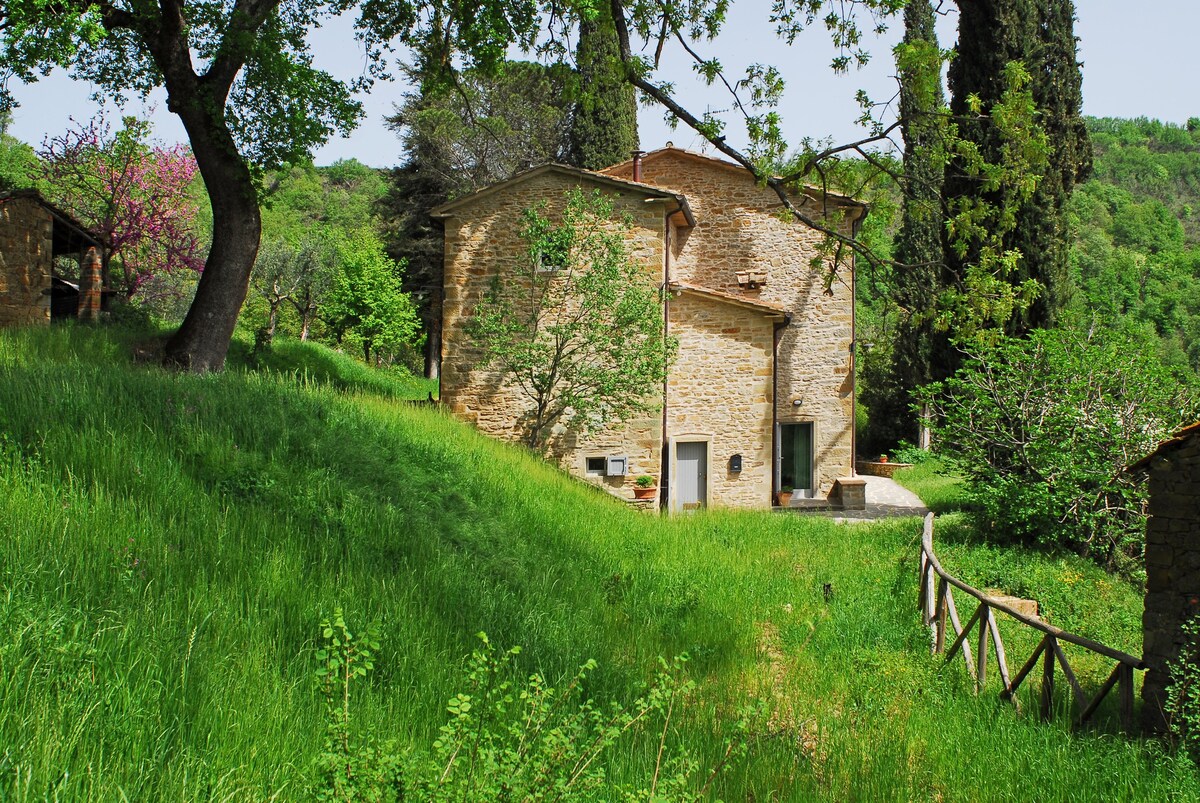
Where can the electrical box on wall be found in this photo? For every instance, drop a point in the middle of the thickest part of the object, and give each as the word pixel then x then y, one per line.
pixel 735 464
pixel 617 466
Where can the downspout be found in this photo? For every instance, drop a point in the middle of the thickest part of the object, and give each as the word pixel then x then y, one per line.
pixel 664 495
pixel 854 227
pixel 779 327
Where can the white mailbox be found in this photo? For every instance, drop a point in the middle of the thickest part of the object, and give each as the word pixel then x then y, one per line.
pixel 617 466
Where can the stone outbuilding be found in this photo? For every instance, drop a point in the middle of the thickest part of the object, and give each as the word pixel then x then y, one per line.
pixel 1172 562
pixel 761 395
pixel 33 234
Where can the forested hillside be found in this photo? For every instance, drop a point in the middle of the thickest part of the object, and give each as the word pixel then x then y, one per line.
pixel 1135 229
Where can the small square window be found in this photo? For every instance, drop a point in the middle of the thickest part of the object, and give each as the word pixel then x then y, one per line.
pixel 596 466
pixel 551 261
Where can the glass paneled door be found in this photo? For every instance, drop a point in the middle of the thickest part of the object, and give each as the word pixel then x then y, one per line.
pixel 795 457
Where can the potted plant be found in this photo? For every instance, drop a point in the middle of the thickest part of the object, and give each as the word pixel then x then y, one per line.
pixel 883 458
pixel 644 487
pixel 784 495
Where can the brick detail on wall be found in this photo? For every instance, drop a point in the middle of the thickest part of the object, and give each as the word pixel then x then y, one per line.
pixel 90 284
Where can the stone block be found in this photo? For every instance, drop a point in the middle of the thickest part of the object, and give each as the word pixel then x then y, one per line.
pixel 851 492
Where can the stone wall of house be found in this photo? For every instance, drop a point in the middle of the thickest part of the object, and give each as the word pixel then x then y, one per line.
pixel 26 260
pixel 719 391
pixel 1172 566
pixel 482 238
pixel 739 229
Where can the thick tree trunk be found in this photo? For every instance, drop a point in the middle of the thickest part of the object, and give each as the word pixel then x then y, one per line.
pixel 203 340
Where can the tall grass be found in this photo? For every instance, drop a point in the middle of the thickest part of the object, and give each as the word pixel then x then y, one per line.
pixel 170 543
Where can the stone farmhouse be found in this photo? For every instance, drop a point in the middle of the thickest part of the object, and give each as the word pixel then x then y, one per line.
pixel 761 395
pixel 1172 562
pixel 33 234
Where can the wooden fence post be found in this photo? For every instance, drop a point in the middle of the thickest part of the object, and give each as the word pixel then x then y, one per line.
pixel 1048 676
pixel 981 655
pixel 1125 695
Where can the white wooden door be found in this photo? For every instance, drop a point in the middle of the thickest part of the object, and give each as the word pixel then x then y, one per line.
pixel 691 465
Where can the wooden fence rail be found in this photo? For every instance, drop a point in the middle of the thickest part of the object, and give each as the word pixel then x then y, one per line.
pixel 940 614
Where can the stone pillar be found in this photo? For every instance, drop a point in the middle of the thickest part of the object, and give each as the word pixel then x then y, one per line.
pixel 851 492
pixel 1172 567
pixel 90 284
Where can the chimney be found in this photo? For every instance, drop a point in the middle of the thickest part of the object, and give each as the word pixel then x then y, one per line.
pixel 637 165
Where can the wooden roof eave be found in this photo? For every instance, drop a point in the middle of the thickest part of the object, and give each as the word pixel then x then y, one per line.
pixel 772 312
pixel 447 210
pixel 1177 439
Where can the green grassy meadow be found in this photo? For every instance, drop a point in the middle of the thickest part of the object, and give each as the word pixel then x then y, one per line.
pixel 169 544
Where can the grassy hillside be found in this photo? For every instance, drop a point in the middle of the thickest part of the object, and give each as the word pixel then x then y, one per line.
pixel 170 543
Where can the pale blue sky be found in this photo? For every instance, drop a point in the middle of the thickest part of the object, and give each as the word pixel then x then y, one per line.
pixel 1136 63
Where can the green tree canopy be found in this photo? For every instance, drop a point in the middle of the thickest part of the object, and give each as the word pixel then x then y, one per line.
pixel 240 76
pixel 604 120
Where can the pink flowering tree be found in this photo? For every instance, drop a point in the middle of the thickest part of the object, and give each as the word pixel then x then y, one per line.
pixel 136 196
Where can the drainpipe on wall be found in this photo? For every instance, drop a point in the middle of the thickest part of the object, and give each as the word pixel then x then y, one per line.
pixel 779 327
pixel 664 479
pixel 854 227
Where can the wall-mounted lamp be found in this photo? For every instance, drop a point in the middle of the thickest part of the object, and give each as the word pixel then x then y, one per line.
pixel 797 402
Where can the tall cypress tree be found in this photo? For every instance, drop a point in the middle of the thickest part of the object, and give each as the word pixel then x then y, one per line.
pixel 918 244
pixel 1039 34
pixel 1041 233
pixel 604 125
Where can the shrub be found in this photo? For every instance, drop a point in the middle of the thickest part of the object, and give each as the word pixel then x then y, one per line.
pixel 1183 695
pixel 1044 427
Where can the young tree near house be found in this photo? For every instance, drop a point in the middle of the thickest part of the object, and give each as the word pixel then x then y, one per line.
pixel 135 196
pixel 578 330
pixel 240 77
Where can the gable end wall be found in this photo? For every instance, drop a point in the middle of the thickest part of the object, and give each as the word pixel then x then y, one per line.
pixel 482 239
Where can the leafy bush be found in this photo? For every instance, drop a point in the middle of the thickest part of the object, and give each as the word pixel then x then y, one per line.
pixel 1183 695
pixel 1043 428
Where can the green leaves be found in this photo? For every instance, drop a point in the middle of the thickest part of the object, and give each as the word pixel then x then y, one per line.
pixel 1044 427
pixel 577 328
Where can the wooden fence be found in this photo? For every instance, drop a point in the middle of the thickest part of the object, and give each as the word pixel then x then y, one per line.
pixel 939 612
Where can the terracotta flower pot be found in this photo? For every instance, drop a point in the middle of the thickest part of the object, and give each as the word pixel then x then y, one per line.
pixel 784 498
pixel 644 493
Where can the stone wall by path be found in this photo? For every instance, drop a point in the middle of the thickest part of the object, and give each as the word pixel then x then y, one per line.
pixel 1172 564
pixel 26 260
